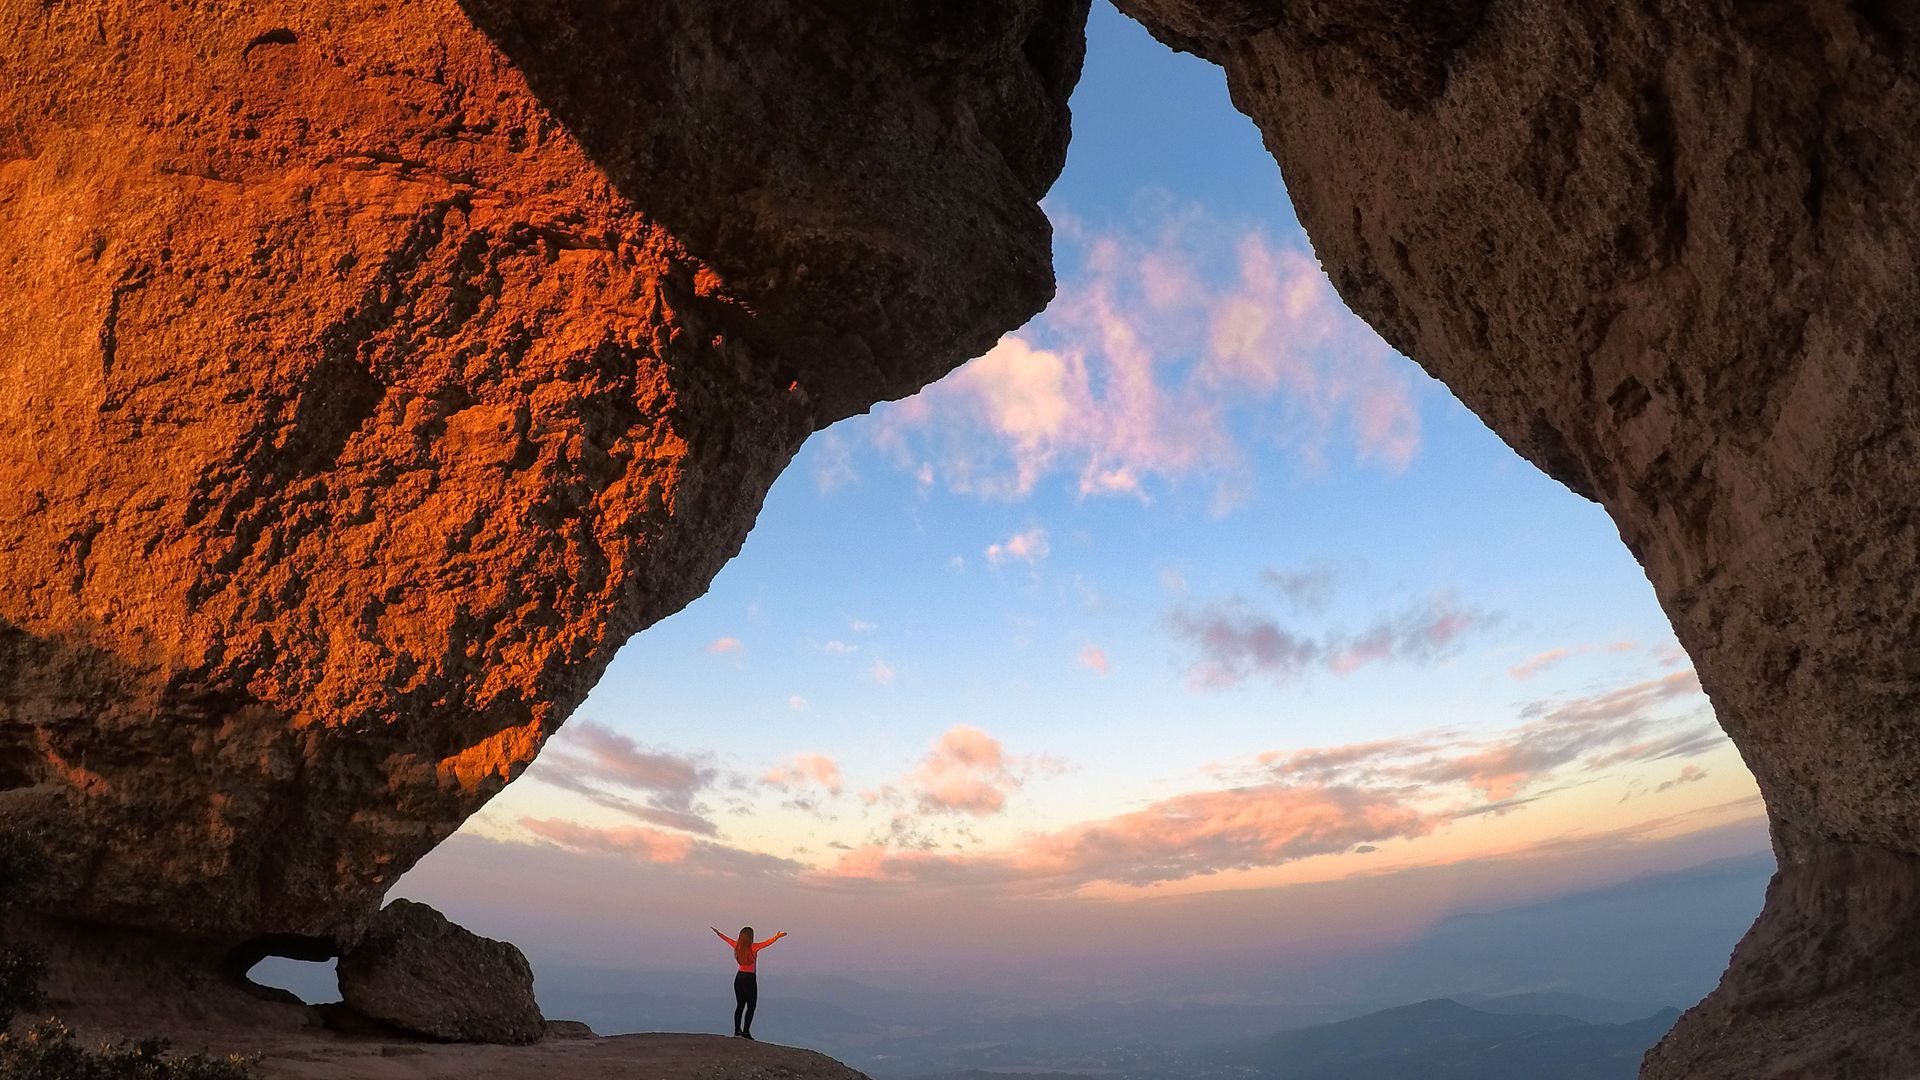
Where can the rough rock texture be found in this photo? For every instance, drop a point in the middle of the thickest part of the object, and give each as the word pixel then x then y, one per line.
pixel 1667 249
pixel 372 371
pixel 421 973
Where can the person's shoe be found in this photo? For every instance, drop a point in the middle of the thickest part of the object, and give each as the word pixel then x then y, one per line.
pixel 747 1035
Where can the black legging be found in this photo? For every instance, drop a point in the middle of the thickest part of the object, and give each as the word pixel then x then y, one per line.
pixel 746 994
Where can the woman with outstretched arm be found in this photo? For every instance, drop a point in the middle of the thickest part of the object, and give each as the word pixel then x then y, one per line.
pixel 746 984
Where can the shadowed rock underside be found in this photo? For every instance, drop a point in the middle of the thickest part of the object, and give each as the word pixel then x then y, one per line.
pixel 1666 249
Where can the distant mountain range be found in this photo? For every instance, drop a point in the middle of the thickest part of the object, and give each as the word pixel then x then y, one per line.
pixel 1445 1040
pixel 1663 938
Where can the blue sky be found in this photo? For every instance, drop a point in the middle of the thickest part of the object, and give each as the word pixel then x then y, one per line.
pixel 1065 624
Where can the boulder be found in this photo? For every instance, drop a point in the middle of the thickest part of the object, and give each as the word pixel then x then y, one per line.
pixel 419 972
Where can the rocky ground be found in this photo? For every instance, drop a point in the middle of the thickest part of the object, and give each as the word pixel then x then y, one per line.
pixel 327 1056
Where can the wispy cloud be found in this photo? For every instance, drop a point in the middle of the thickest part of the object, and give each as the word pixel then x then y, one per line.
pixel 1094 658
pixel 833 467
pixel 1299 803
pixel 805 770
pixel 1308 588
pixel 1170 840
pixel 658 787
pixel 644 845
pixel 1236 642
pixel 1631 724
pixel 725 645
pixel 1279 807
pixel 1539 662
pixel 1028 547
pixel 1688 774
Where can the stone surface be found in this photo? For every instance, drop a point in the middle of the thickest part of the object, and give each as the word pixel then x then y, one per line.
pixel 1666 249
pixel 373 371
pixel 619 1057
pixel 421 973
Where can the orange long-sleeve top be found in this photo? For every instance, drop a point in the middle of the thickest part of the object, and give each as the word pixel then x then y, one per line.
pixel 754 959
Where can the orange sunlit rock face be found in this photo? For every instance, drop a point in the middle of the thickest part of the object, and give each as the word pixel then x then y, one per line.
pixel 373 371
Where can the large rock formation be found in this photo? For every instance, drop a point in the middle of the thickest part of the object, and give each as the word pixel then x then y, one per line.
pixel 372 371
pixel 1667 249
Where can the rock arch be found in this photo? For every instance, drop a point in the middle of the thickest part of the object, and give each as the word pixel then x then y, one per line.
pixel 373 371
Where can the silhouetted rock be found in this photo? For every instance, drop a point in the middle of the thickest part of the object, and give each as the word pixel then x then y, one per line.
pixel 1665 249
pixel 419 972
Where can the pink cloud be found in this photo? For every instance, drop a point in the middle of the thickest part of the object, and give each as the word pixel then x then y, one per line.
pixel 725 645
pixel 679 852
pixel 1299 803
pixel 646 845
pixel 1628 725
pixel 968 772
pixel 1143 371
pixel 1094 658
pixel 1182 837
pixel 1539 662
pixel 1617 727
pixel 815 769
pixel 1029 547
pixel 1319 763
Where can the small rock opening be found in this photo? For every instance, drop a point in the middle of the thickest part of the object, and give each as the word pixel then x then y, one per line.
pixel 314 982
pixel 288 964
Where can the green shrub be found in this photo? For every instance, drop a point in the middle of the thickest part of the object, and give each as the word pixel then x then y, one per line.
pixel 50 1052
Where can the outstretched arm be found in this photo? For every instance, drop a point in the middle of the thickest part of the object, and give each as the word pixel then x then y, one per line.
pixel 770 941
pixel 724 937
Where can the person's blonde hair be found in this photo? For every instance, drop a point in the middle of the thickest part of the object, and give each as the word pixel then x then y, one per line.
pixel 743 950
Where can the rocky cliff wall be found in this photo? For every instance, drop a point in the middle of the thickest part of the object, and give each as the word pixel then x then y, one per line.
pixel 373 371
pixel 1667 249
